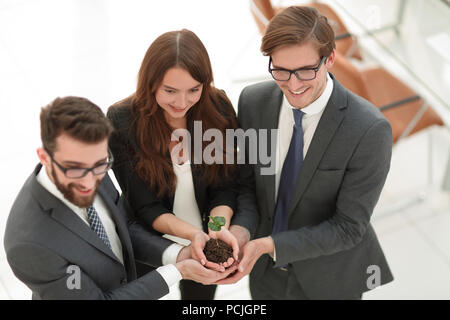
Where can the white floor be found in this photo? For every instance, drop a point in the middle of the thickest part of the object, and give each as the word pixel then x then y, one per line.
pixel 93 48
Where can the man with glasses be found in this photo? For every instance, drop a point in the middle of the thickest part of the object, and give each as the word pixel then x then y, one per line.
pixel 311 217
pixel 67 235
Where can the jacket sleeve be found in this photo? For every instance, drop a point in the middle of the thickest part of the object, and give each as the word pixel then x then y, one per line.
pixel 50 276
pixel 142 200
pixel 226 191
pixel 246 214
pixel 148 245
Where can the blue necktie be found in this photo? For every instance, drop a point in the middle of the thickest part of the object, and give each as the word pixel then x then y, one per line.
pixel 289 174
pixel 97 225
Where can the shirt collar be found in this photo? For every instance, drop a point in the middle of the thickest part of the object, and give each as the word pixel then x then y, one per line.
pixel 48 184
pixel 320 103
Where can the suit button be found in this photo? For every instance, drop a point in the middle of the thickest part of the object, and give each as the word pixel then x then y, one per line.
pixel 269 218
pixel 123 281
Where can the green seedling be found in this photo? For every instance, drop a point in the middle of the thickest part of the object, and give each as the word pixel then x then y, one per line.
pixel 216 223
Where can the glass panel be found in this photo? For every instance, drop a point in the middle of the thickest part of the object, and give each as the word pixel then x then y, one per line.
pixel 416 33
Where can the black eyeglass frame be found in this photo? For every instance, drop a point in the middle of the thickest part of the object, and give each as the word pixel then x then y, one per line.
pixel 109 164
pixel 315 69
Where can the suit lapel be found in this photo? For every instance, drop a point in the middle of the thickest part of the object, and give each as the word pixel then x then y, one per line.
pixel 269 121
pixel 68 218
pixel 120 222
pixel 330 121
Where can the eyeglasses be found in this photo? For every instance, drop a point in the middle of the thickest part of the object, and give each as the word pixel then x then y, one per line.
pixel 76 173
pixel 305 74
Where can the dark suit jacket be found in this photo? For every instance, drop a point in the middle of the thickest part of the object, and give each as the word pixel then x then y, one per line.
pixel 44 237
pixel 141 200
pixel 330 242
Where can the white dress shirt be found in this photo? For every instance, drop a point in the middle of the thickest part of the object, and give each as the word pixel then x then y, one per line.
pixel 184 207
pixel 169 272
pixel 310 120
pixel 184 204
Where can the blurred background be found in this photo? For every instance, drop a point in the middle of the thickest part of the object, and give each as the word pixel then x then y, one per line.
pixel 393 53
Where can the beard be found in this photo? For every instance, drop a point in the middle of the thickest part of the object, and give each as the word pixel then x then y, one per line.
pixel 69 192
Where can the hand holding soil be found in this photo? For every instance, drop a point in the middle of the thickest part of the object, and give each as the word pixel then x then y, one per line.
pixel 222 248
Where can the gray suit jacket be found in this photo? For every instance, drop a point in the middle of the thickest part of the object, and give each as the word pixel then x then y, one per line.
pixel 330 242
pixel 44 238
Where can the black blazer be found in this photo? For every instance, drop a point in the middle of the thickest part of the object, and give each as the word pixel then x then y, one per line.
pixel 140 199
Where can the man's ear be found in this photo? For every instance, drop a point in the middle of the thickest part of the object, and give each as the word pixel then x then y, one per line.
pixel 330 60
pixel 43 156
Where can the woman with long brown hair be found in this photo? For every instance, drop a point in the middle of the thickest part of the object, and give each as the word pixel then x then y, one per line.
pixel 168 188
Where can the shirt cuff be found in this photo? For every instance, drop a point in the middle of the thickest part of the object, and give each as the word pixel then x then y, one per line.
pixel 170 274
pixel 171 253
pixel 274 251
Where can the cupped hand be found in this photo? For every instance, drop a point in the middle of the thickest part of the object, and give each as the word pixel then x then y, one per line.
pixel 252 251
pixel 226 236
pixel 193 270
pixel 198 242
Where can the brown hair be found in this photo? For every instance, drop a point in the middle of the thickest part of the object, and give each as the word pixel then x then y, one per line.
pixel 185 50
pixel 78 117
pixel 298 25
